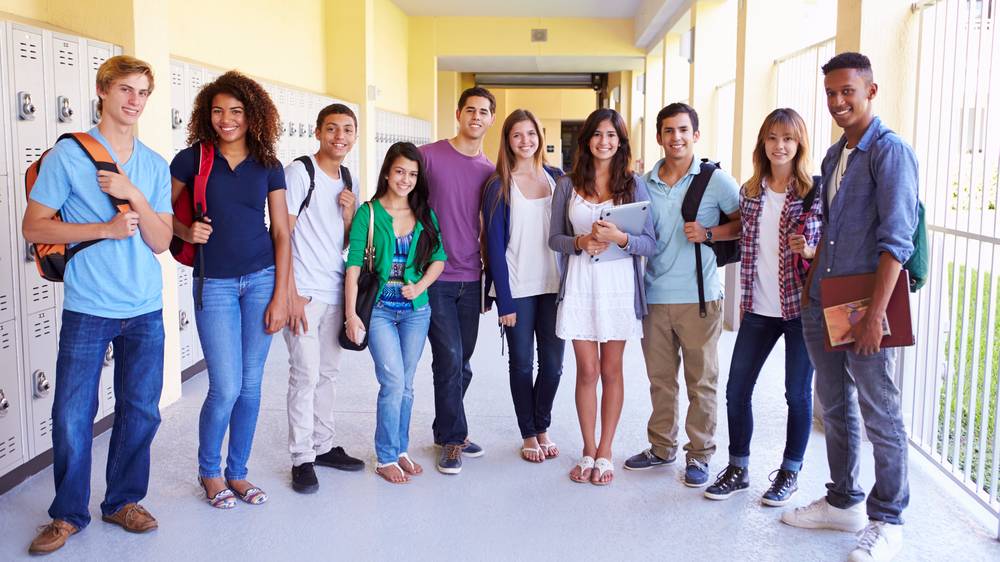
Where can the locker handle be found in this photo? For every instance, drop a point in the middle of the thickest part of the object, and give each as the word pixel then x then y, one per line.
pixel 109 355
pixel 302 129
pixel 4 404
pixel 29 252
pixel 64 109
pixel 184 320
pixel 95 114
pixel 42 385
pixel 25 109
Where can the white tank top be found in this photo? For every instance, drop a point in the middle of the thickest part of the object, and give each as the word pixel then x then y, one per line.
pixel 531 264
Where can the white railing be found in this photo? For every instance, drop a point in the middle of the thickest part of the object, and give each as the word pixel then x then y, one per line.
pixel 800 87
pixel 950 377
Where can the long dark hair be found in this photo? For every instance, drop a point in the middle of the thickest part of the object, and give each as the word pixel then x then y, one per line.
pixel 418 199
pixel 622 180
pixel 263 123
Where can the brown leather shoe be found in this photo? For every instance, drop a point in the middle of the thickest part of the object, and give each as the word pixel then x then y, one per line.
pixel 51 537
pixel 133 518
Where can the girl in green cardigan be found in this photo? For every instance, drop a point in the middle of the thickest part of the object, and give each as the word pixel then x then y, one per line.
pixel 409 256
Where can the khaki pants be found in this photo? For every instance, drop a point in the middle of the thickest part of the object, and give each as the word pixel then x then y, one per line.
pixel 313 365
pixel 672 331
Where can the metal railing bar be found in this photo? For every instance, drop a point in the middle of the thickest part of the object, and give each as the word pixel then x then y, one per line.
pixel 964 234
pixel 804 50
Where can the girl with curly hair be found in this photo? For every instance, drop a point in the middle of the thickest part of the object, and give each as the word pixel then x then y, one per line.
pixel 244 296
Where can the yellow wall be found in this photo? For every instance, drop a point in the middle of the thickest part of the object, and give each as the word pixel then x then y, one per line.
pixel 550 106
pixel 714 64
pixel 282 41
pixel 473 36
pixel 391 57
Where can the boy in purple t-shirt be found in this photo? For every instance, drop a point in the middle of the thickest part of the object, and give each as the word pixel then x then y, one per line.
pixel 456 171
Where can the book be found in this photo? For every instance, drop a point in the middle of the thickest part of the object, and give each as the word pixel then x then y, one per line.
pixel 844 289
pixel 841 318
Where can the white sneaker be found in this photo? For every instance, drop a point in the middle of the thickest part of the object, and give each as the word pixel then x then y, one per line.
pixel 821 515
pixel 879 541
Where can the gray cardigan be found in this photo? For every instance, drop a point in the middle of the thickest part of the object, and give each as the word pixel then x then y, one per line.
pixel 562 239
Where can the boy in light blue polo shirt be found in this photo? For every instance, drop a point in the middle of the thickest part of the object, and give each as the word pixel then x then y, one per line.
pixel 113 295
pixel 674 325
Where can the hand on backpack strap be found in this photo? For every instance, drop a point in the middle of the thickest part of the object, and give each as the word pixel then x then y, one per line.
pixel 117 185
pixel 200 231
pixel 123 225
pixel 346 200
pixel 797 244
pixel 695 233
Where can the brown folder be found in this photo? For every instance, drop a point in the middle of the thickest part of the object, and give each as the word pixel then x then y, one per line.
pixel 848 288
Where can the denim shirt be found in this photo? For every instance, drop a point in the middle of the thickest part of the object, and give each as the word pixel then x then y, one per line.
pixel 875 209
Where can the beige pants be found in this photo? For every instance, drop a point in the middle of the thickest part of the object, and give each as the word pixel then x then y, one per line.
pixel 313 365
pixel 673 331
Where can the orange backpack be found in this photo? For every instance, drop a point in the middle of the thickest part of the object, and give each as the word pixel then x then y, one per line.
pixel 51 259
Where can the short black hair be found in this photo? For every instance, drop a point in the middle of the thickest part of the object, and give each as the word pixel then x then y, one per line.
pixel 850 60
pixel 335 109
pixel 677 108
pixel 477 92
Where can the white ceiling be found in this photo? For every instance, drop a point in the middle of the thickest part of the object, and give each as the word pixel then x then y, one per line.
pixel 540 64
pixel 521 8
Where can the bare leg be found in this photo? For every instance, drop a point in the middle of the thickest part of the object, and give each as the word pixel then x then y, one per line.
pixel 587 373
pixel 612 396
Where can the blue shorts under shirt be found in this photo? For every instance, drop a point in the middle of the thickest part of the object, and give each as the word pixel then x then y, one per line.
pixel 240 242
pixel 113 278
pixel 392 292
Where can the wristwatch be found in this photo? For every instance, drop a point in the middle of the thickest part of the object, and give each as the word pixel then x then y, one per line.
pixel 708 235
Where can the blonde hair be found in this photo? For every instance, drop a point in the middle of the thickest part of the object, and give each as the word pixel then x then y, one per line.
pixel 506 158
pixel 800 163
pixel 119 67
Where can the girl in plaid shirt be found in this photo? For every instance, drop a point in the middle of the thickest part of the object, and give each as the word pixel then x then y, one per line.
pixel 781 219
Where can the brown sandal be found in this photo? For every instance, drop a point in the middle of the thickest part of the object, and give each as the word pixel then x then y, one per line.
pixel 383 471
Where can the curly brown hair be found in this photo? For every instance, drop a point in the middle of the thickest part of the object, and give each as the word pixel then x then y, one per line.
pixel 263 122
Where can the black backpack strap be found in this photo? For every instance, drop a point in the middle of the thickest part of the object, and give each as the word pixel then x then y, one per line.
pixel 689 213
pixel 810 198
pixel 307 162
pixel 345 174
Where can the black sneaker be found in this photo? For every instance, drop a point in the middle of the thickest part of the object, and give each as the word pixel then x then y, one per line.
pixel 339 459
pixel 784 484
pixel 732 479
pixel 450 460
pixel 304 478
pixel 646 460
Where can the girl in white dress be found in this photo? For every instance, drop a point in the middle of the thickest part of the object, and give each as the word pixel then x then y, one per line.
pixel 601 304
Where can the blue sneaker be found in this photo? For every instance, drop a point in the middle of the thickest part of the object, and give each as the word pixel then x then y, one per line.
pixel 472 450
pixel 450 461
pixel 696 473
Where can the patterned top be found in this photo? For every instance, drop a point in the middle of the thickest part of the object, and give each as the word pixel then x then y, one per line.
pixel 793 216
pixel 392 292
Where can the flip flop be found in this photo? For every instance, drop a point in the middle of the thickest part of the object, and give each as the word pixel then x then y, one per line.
pixel 585 463
pixel 602 467
pixel 385 476
pixel 548 449
pixel 414 469
pixel 539 453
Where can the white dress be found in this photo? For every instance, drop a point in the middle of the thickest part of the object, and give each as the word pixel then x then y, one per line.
pixel 599 300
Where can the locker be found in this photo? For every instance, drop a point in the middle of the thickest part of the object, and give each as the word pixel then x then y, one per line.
pixel 97 53
pixel 195 80
pixel 8 265
pixel 185 306
pixel 180 111
pixel 40 378
pixel 12 450
pixel 62 61
pixel 106 390
pixel 5 168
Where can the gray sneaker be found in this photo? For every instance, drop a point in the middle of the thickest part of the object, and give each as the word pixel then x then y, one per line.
pixel 450 460
pixel 646 460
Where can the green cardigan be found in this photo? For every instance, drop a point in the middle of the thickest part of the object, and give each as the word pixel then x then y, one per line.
pixel 384 241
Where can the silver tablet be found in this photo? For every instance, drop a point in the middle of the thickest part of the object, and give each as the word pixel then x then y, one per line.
pixel 629 218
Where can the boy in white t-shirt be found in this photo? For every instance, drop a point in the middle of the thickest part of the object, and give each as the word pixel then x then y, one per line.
pixel 320 219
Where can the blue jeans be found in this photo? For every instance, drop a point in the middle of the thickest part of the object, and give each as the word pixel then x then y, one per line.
pixel 231 329
pixel 138 348
pixel 536 320
pixel 754 343
pixel 396 341
pixel 855 389
pixel 454 329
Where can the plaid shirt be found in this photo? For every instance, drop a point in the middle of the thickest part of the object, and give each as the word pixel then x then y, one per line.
pixel 792 217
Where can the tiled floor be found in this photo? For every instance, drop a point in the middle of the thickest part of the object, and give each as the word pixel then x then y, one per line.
pixel 500 507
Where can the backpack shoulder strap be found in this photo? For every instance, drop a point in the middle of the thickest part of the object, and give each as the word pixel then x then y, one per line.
pixel 206 157
pixel 307 163
pixel 696 191
pixel 807 201
pixel 101 159
pixel 345 174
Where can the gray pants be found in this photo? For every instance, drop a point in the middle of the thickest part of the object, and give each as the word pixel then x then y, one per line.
pixel 845 383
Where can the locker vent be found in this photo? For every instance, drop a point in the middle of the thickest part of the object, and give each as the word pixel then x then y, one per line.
pixel 32 153
pixel 6 337
pixel 96 61
pixel 183 277
pixel 45 427
pixel 42 327
pixel 109 393
pixel 177 78
pixel 66 56
pixel 27 49
pixel 185 354
pixel 4 302
pixel 195 80
pixel 41 292
pixel 8 447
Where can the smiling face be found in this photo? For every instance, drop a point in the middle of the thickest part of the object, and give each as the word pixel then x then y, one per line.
pixel 677 137
pixel 336 136
pixel 604 142
pixel 781 145
pixel 402 177
pixel 228 118
pixel 474 118
pixel 849 98
pixel 523 140
pixel 125 99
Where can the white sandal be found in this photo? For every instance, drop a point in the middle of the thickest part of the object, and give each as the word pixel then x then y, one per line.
pixel 585 463
pixel 602 467
pixel 547 448
pixel 538 451
pixel 380 466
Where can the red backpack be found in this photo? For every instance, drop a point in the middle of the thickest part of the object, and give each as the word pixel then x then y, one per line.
pixel 190 206
pixel 52 259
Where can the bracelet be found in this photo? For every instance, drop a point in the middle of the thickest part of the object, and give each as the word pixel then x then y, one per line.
pixel 576 242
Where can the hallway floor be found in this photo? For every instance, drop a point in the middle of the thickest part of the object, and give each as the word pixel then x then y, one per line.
pixel 499 507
